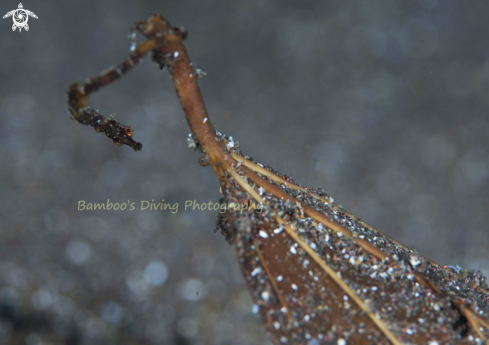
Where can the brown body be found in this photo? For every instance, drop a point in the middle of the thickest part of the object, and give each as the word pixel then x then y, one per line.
pixel 318 274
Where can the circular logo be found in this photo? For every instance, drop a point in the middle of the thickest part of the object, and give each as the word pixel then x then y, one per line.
pixel 20 17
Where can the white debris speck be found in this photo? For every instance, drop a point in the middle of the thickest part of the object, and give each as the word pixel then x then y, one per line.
pixel 200 73
pixel 278 230
pixel 341 341
pixel 307 318
pixel 293 250
pixel 414 260
pixel 261 165
pixel 340 234
pixel 175 55
pixel 265 295
pixel 261 190
pixel 255 309
pixel 192 144
pixel 263 234
pixel 230 145
pixel 433 342
pixel 294 287
pixel 331 199
pixel 256 271
pixel 205 120
pixel 280 278
pixel 345 298
pixel 326 238
pixel 276 325
pixel 283 310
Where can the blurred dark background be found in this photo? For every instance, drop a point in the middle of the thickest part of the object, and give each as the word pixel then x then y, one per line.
pixel 384 104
